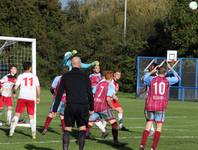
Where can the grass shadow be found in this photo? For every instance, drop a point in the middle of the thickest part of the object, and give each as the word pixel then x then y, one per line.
pixel 110 143
pixel 40 130
pixel 33 147
pixel 6 130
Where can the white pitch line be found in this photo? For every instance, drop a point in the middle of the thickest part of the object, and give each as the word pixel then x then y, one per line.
pixel 168 117
pixel 59 141
pixel 128 118
pixel 167 129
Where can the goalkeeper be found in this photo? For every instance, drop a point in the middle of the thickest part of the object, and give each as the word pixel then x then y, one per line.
pixel 69 55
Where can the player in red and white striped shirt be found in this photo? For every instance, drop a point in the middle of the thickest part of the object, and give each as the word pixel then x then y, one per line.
pixel 7 83
pixel 29 94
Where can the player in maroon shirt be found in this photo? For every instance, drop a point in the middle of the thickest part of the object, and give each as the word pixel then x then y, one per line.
pixel 156 101
pixel 103 108
pixel 95 77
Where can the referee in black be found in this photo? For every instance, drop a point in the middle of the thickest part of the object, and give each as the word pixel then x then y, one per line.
pixel 79 102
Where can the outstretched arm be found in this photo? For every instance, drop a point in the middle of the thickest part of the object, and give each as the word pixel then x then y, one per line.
pixel 85 66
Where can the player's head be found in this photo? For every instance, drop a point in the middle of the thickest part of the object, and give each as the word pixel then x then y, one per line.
pixel 76 62
pixel 65 70
pixel 13 69
pixel 162 71
pixel 96 69
pixel 27 66
pixel 117 75
pixel 108 75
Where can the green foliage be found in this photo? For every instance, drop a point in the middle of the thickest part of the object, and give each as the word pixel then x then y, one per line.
pixel 178 30
pixel 95 29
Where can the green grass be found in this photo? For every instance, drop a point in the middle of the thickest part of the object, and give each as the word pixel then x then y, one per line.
pixel 179 132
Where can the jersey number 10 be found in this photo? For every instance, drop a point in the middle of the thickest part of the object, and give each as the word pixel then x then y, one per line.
pixel 28 81
pixel 159 88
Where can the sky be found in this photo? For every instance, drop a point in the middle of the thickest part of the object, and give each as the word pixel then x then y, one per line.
pixel 64 3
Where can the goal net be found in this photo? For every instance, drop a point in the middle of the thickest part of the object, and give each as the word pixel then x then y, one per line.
pixel 14 51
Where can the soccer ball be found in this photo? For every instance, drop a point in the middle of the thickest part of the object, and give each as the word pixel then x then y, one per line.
pixel 193 5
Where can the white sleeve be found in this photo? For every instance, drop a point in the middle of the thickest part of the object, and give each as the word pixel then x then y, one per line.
pixel 37 81
pixel 4 79
pixel 55 82
pixel 18 81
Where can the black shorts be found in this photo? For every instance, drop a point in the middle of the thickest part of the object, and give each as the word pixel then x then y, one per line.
pixel 76 113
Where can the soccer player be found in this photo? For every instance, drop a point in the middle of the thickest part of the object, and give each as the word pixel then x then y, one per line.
pixel 69 55
pixel 54 90
pixel 95 77
pixel 7 83
pixel 156 101
pixel 153 65
pixel 29 93
pixel 115 102
pixel 103 108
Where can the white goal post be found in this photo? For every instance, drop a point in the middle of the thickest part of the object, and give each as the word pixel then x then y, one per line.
pixel 9 56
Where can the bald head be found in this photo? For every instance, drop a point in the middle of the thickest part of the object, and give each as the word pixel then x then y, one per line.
pixel 76 62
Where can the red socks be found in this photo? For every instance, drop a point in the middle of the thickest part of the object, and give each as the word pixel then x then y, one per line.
pixel 156 139
pixel 47 122
pixel 63 124
pixel 145 135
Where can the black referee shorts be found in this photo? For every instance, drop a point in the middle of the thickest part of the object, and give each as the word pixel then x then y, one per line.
pixel 76 113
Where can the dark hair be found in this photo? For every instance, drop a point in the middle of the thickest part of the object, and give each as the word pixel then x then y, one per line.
pixel 27 65
pixel 11 66
pixel 115 71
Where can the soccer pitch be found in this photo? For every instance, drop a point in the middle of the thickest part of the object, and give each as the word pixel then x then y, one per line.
pixel 179 132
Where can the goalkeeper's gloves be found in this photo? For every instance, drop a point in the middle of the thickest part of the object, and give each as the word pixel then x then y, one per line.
pixel 74 52
pixel 95 63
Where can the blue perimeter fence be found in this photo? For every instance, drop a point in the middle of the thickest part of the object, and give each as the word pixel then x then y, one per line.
pixel 187 68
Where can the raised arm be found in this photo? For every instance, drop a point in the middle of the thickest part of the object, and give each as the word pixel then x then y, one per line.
pixel 147 78
pixel 176 78
pixel 85 66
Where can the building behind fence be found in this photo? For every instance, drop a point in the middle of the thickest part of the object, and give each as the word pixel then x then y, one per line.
pixel 187 68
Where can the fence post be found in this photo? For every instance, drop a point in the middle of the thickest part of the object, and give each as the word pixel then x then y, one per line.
pixel 180 95
pixel 138 75
pixel 196 80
